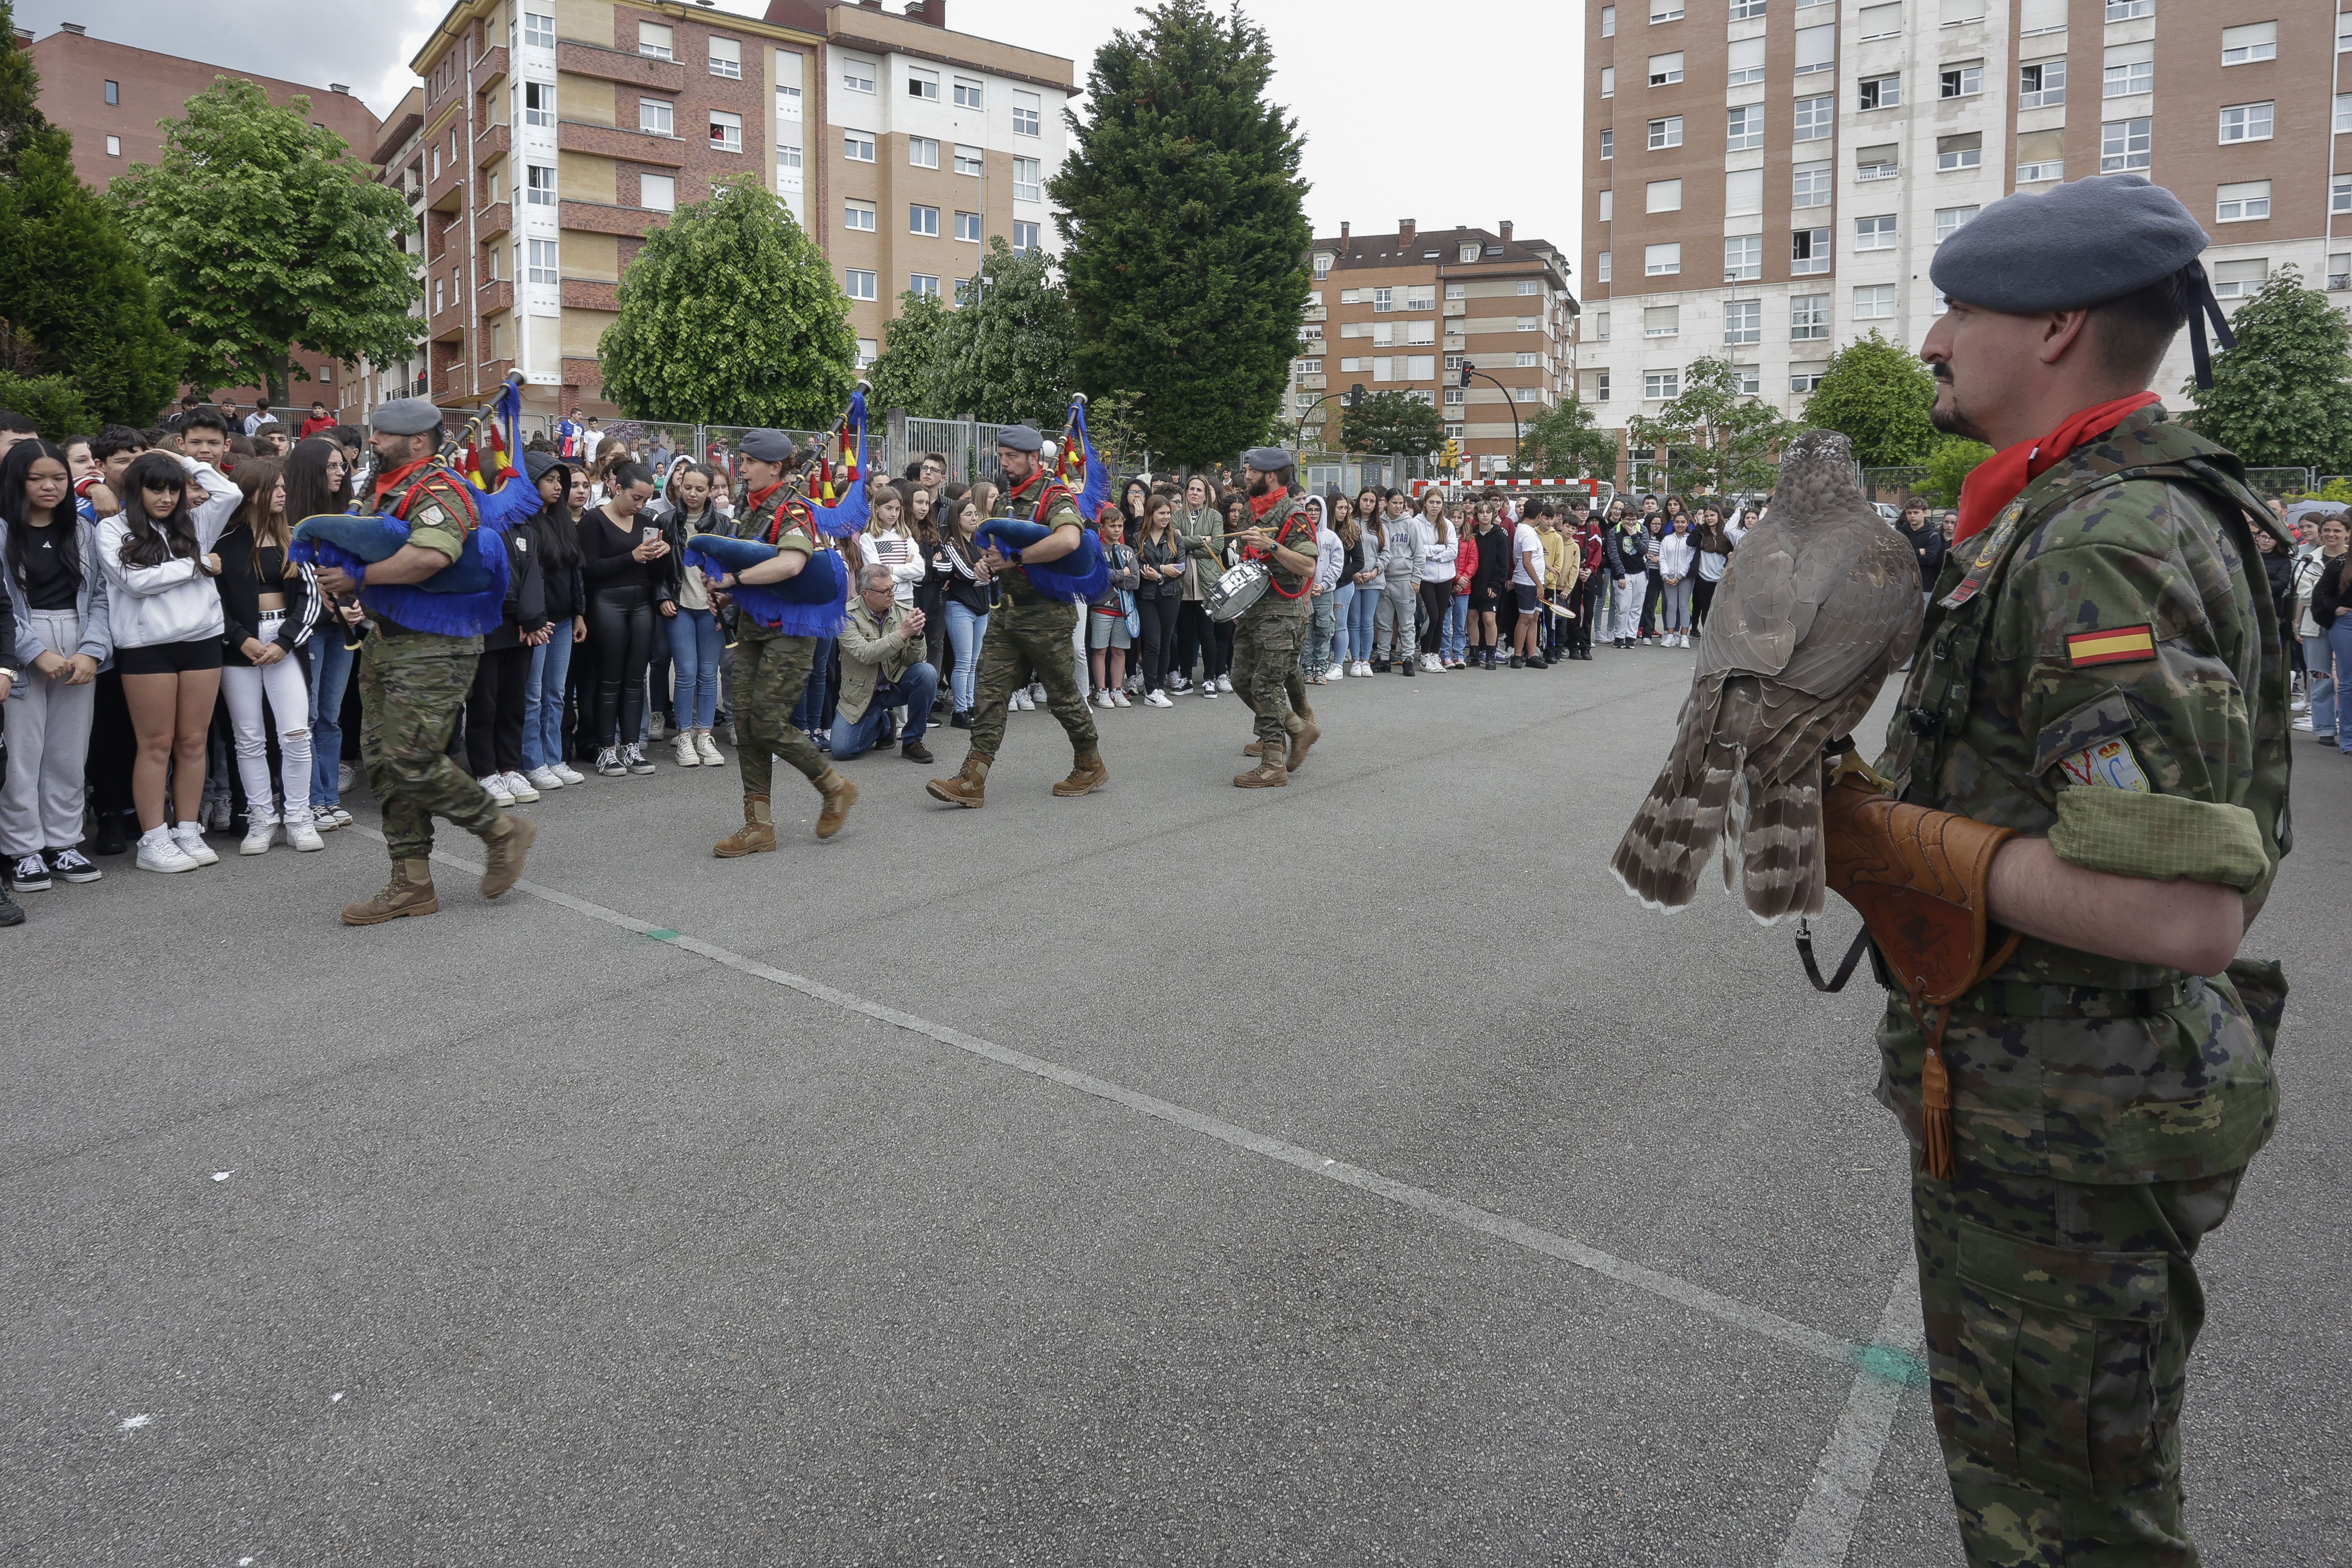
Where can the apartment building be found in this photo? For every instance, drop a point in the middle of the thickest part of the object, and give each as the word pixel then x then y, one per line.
pixel 1828 146
pixel 555 134
pixel 1406 311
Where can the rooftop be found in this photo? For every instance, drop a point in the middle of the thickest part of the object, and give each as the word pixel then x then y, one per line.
pixel 1411 244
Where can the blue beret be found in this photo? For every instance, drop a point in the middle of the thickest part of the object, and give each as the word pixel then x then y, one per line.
pixel 1020 438
pixel 766 446
pixel 1270 460
pixel 2081 245
pixel 406 416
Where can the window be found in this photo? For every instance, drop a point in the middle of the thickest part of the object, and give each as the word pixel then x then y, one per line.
pixel 539 104
pixel 1663 196
pixel 2339 271
pixel 1874 303
pixel 856 76
pixel 2035 18
pixel 923 220
pixel 1955 153
pixel 1522 323
pixel 2041 84
pixel 860 284
pixel 1662 260
pixel 1608 81
pixel 1955 12
pixel 1600 267
pixel 1660 385
pixel 967 226
pixel 1608 143
pixel 114 146
pixel 1599 335
pixel 2240 45
pixel 1384 299
pixel 538 31
pixel 1812 184
pixel 1743 322
pixel 1323 260
pixel 923 151
pixel 1455 394
pixel 1805 377
pixel 543 260
pixel 1874 233
pixel 1666 11
pixel 925 85
pixel 2122 79
pixel 1524 360
pixel 2040 156
pixel 1816 49
pixel 1962 80
pixel 440 298
pixel 1875 162
pixel 658 192
pixel 1469 253
pixel 1457 291
pixel 1809 316
pixel 2246 123
pixel 2129 10
pixel 1880 92
pixel 1950 220
pixel 1028 179
pixel 2244 203
pixel 2342 112
pixel 967 161
pixel 2122 144
pixel 726 132
pixel 1746 10
pixel 2236 280
pixel 1743 129
pixel 1743 193
pixel 1424 333
pixel 539 185
pixel 787 157
pixel 858 215
pixel 968 94
pixel 1423 296
pixel 1747 61
pixel 1024 238
pixel 923 285
pixel 1816 118
pixel 1667 133
pixel 1597 380
pixel 114 92
pixel 653 117
pixel 867 350
pixel 857 146
pixel 2340 195
pixel 1665 69
pixel 1025 113
pixel 654 40
pixel 726 58
pixel 1809 251
pixel 1743 257
pixel 1608 21
pixel 1882 22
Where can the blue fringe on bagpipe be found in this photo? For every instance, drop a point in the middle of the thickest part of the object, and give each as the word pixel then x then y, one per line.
pixel 814 603
pixel 465 598
pixel 1081 574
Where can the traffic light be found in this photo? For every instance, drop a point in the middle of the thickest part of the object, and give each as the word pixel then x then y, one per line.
pixel 1466 368
pixel 1452 457
pixel 1355 395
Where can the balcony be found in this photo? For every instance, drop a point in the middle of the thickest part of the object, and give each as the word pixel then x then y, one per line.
pixel 492 141
pixel 494 297
pixel 1313 382
pixel 590 294
pixel 1457 308
pixel 600 217
pixel 611 65
pixel 493 221
pixel 610 142
pixel 491 67
pixel 1315 313
pixel 445 192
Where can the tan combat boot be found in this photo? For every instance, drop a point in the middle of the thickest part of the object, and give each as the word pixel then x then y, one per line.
pixel 1305 736
pixel 1269 773
pixel 840 794
pixel 410 892
pixel 1253 749
pixel 756 837
pixel 1086 776
pixel 968 787
pixel 507 843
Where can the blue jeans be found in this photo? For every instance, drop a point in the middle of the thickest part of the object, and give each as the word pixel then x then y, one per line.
pixel 2320 684
pixel 2339 642
pixel 1315 657
pixel 1456 639
pixel 330 674
pixel 1344 606
pixel 1360 610
pixel 914 691
pixel 695 644
pixel 808 713
pixel 542 703
pixel 965 631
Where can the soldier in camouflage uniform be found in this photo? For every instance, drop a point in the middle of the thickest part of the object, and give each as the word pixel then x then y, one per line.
pixel 771 668
pixel 412 684
pixel 1271 632
pixel 2101 671
pixel 1029 635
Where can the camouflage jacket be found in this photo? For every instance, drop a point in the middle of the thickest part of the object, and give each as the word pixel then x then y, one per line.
pixel 1278 600
pixel 1062 513
pixel 787 513
pixel 2101 666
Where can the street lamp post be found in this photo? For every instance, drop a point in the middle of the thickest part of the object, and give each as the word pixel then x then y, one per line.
pixel 1469 370
pixel 1347 399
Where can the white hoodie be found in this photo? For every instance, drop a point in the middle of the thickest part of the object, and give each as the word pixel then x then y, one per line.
pixel 176 602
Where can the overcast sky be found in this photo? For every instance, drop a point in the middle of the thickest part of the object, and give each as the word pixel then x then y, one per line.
pixel 1395 127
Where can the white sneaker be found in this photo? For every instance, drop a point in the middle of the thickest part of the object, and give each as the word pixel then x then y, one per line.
pixel 708 750
pixel 497 784
pixel 216 814
pixel 518 788
pixel 346 775
pixel 1208 688
pixel 190 840
pixel 1020 702
pixel 1119 699
pixel 160 851
pixel 304 835
pixel 567 773
pixel 322 817
pixel 342 817
pixel 2303 723
pixel 2299 705
pixel 637 761
pixel 1224 683
pixel 261 832
pixel 1363 669
pixel 682 752
pixel 543 779
pixel 1157 698
pixel 609 764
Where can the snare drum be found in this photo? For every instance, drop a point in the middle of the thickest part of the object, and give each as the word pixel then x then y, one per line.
pixel 1237 590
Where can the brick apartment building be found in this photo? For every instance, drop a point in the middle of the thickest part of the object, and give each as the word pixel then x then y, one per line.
pixel 109 95
pixel 1403 311
pixel 553 134
pixel 1828 146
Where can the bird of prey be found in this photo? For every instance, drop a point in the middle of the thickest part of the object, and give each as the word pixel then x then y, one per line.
pixel 1821 601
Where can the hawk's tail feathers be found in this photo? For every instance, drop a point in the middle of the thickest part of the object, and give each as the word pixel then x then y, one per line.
pixel 1780 851
pixel 1679 823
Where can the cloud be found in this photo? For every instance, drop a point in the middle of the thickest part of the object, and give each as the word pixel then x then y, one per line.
pixel 366 45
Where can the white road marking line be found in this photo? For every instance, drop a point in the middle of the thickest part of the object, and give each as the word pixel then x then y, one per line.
pixel 1823 1532
pixel 1468 1216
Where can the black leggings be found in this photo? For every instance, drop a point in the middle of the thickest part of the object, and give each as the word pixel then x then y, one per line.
pixel 1702 595
pixel 493 711
pixel 1159 616
pixel 1436 598
pixel 621 636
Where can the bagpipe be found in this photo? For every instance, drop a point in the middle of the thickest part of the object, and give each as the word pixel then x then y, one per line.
pixel 466 597
pixel 1085 572
pixel 814 601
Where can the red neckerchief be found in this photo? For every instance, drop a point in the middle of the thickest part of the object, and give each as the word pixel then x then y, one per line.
pixel 386 481
pixel 1260 505
pixel 1020 490
pixel 1996 481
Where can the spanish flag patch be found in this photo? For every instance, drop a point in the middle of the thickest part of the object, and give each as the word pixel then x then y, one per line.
pixel 2117 644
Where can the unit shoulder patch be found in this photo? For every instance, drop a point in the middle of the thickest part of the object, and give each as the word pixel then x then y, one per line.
pixel 2115 644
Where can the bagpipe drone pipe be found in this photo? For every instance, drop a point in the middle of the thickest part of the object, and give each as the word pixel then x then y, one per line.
pixel 466 597
pixel 1084 573
pixel 814 602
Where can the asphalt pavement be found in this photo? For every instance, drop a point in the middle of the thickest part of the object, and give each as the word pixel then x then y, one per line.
pixel 1342 1175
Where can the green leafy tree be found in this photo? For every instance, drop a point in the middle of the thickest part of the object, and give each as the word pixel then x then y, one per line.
pixel 1716 438
pixel 731 316
pixel 1185 235
pixel 1949 463
pixel 2283 397
pixel 265 235
pixel 1878 395
pixel 906 373
pixel 1392 423
pixel 53 403
pixel 1563 442
pixel 21 118
pixel 1005 354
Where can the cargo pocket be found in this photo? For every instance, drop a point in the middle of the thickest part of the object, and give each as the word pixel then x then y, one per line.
pixel 2260 985
pixel 2056 1362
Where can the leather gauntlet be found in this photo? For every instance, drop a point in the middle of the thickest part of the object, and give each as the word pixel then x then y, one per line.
pixel 1918 879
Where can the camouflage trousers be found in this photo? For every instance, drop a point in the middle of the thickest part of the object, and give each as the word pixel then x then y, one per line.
pixel 413 687
pixel 1266 676
pixel 1024 643
pixel 2060 1318
pixel 770 673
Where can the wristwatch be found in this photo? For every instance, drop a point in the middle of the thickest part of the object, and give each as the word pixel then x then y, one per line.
pixel 12 676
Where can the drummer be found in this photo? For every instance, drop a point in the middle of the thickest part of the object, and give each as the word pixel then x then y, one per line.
pixel 1280 539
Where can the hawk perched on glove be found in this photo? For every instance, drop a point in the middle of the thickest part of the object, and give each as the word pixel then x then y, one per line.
pixel 1821 603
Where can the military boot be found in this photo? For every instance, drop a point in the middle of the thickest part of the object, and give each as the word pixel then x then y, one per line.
pixel 968 787
pixel 1253 749
pixel 1086 776
pixel 756 837
pixel 410 892
pixel 507 843
pixel 1307 733
pixel 840 794
pixel 1269 773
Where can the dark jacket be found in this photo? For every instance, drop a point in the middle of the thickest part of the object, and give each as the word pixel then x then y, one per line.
pixel 2279 567
pixel 1624 551
pixel 241 591
pixel 2332 594
pixel 963 587
pixel 606 561
pixel 1494 571
pixel 563 592
pixel 525 609
pixel 1166 551
pixel 1927 543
